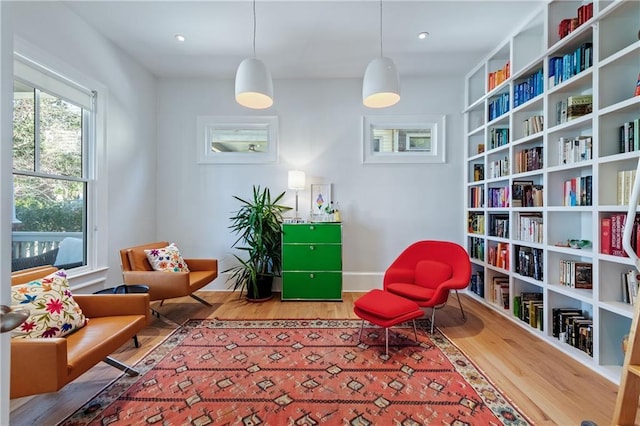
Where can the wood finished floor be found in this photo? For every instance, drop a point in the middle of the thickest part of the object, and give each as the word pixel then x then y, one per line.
pixel 547 385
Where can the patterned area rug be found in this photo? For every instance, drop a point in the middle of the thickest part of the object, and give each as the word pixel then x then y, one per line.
pixel 301 372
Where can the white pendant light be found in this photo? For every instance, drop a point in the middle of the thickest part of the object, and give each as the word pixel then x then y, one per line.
pixel 254 87
pixel 381 83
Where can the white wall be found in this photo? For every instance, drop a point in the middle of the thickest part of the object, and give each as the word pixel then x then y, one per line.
pixel 384 207
pixel 130 161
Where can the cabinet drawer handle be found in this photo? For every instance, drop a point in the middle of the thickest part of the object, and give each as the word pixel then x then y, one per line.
pixel 312 227
pixel 312 276
pixel 312 248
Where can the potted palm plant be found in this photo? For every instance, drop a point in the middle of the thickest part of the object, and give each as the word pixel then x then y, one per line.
pixel 258 226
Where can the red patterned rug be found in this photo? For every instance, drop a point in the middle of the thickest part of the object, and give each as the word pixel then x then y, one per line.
pixel 301 372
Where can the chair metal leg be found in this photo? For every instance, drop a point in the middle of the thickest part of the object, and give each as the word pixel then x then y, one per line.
pixel 460 304
pixel 121 366
pixel 386 341
pixel 433 318
pixel 360 335
pixel 204 302
pixel 415 331
pixel 135 341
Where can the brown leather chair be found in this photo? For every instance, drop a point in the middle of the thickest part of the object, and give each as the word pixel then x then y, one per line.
pixel 136 269
pixel 40 365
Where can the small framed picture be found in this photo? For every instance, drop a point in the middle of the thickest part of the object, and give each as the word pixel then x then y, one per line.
pixel 320 199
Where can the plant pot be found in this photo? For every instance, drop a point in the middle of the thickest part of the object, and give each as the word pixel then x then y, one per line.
pixel 263 285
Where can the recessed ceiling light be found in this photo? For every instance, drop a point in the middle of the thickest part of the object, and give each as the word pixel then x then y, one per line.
pixel 423 35
pixel 179 37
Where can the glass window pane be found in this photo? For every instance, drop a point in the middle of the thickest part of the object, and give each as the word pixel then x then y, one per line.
pixel 239 140
pixel 23 127
pixel 60 137
pixel 51 216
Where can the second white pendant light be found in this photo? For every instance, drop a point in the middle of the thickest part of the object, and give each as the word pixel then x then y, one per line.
pixel 254 86
pixel 381 83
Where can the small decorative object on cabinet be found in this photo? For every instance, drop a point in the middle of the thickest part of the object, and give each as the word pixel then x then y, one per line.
pixel 554 104
pixel 312 261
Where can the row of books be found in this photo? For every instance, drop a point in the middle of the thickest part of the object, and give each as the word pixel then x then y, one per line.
pixel 476 196
pixel 533 125
pixel 629 136
pixel 529 262
pixel 574 327
pixel 476 284
pixel 566 26
pixel 498 106
pixel 574 150
pixel 478 172
pixel 497 77
pixel 498 136
pixel 499 255
pixel 562 68
pixel 526 194
pixel 529 307
pixel 499 225
pixel 476 223
pixel 630 281
pixel 476 248
pixel 576 274
pixel 498 197
pixel 529 88
pixel 500 291
pixel 528 159
pixel 530 227
pixel 624 186
pixel 612 232
pixel 573 107
pixel 499 168
pixel 578 191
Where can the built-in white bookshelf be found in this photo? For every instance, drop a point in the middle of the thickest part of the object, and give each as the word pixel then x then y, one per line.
pixel 572 147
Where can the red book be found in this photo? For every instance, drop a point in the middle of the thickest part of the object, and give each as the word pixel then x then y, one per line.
pixel 617 230
pixel 605 235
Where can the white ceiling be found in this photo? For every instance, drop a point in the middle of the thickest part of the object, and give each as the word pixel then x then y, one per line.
pixel 306 39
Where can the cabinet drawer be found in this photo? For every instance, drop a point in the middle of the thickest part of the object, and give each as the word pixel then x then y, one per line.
pixel 311 232
pixel 312 285
pixel 311 257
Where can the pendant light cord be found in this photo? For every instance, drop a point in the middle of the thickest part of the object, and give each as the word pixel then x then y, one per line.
pixel 254 28
pixel 381 29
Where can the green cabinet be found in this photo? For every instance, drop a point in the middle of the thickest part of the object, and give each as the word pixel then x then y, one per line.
pixel 312 261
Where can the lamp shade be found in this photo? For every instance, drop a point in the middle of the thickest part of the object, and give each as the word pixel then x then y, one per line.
pixel 254 87
pixel 381 84
pixel 296 180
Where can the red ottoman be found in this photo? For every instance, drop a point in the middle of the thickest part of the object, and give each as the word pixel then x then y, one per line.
pixel 386 310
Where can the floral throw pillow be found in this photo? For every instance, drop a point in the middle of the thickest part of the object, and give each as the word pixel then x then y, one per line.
pixel 53 312
pixel 167 259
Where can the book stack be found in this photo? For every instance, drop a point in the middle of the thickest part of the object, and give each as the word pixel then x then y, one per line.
pixel 476 223
pixel 497 77
pixel 498 197
pixel 624 186
pixel 477 284
pixel 528 307
pixel 612 231
pixel 529 262
pixel 573 107
pixel 500 291
pixel 575 274
pixel 577 191
pixel 529 159
pixel 532 125
pixel 629 136
pixel 530 227
pixel 478 172
pixel 499 225
pixel 498 106
pixel 562 68
pixel 499 137
pixel 499 168
pixel 476 248
pixel 566 26
pixel 572 326
pixel 526 194
pixel 630 281
pixel 574 150
pixel 528 89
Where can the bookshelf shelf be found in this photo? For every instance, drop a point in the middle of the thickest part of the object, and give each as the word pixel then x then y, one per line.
pixel 580 120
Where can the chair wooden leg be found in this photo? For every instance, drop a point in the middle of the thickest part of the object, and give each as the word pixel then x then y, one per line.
pixel 204 302
pixel 460 304
pixel 121 366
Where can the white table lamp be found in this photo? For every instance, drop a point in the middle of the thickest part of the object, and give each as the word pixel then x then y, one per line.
pixel 296 182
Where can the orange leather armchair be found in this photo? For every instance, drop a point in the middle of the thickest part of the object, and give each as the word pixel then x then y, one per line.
pixel 427 271
pixel 40 365
pixel 136 269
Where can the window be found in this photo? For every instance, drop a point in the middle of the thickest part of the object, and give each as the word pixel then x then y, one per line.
pixel 53 136
pixel 403 139
pixel 237 140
